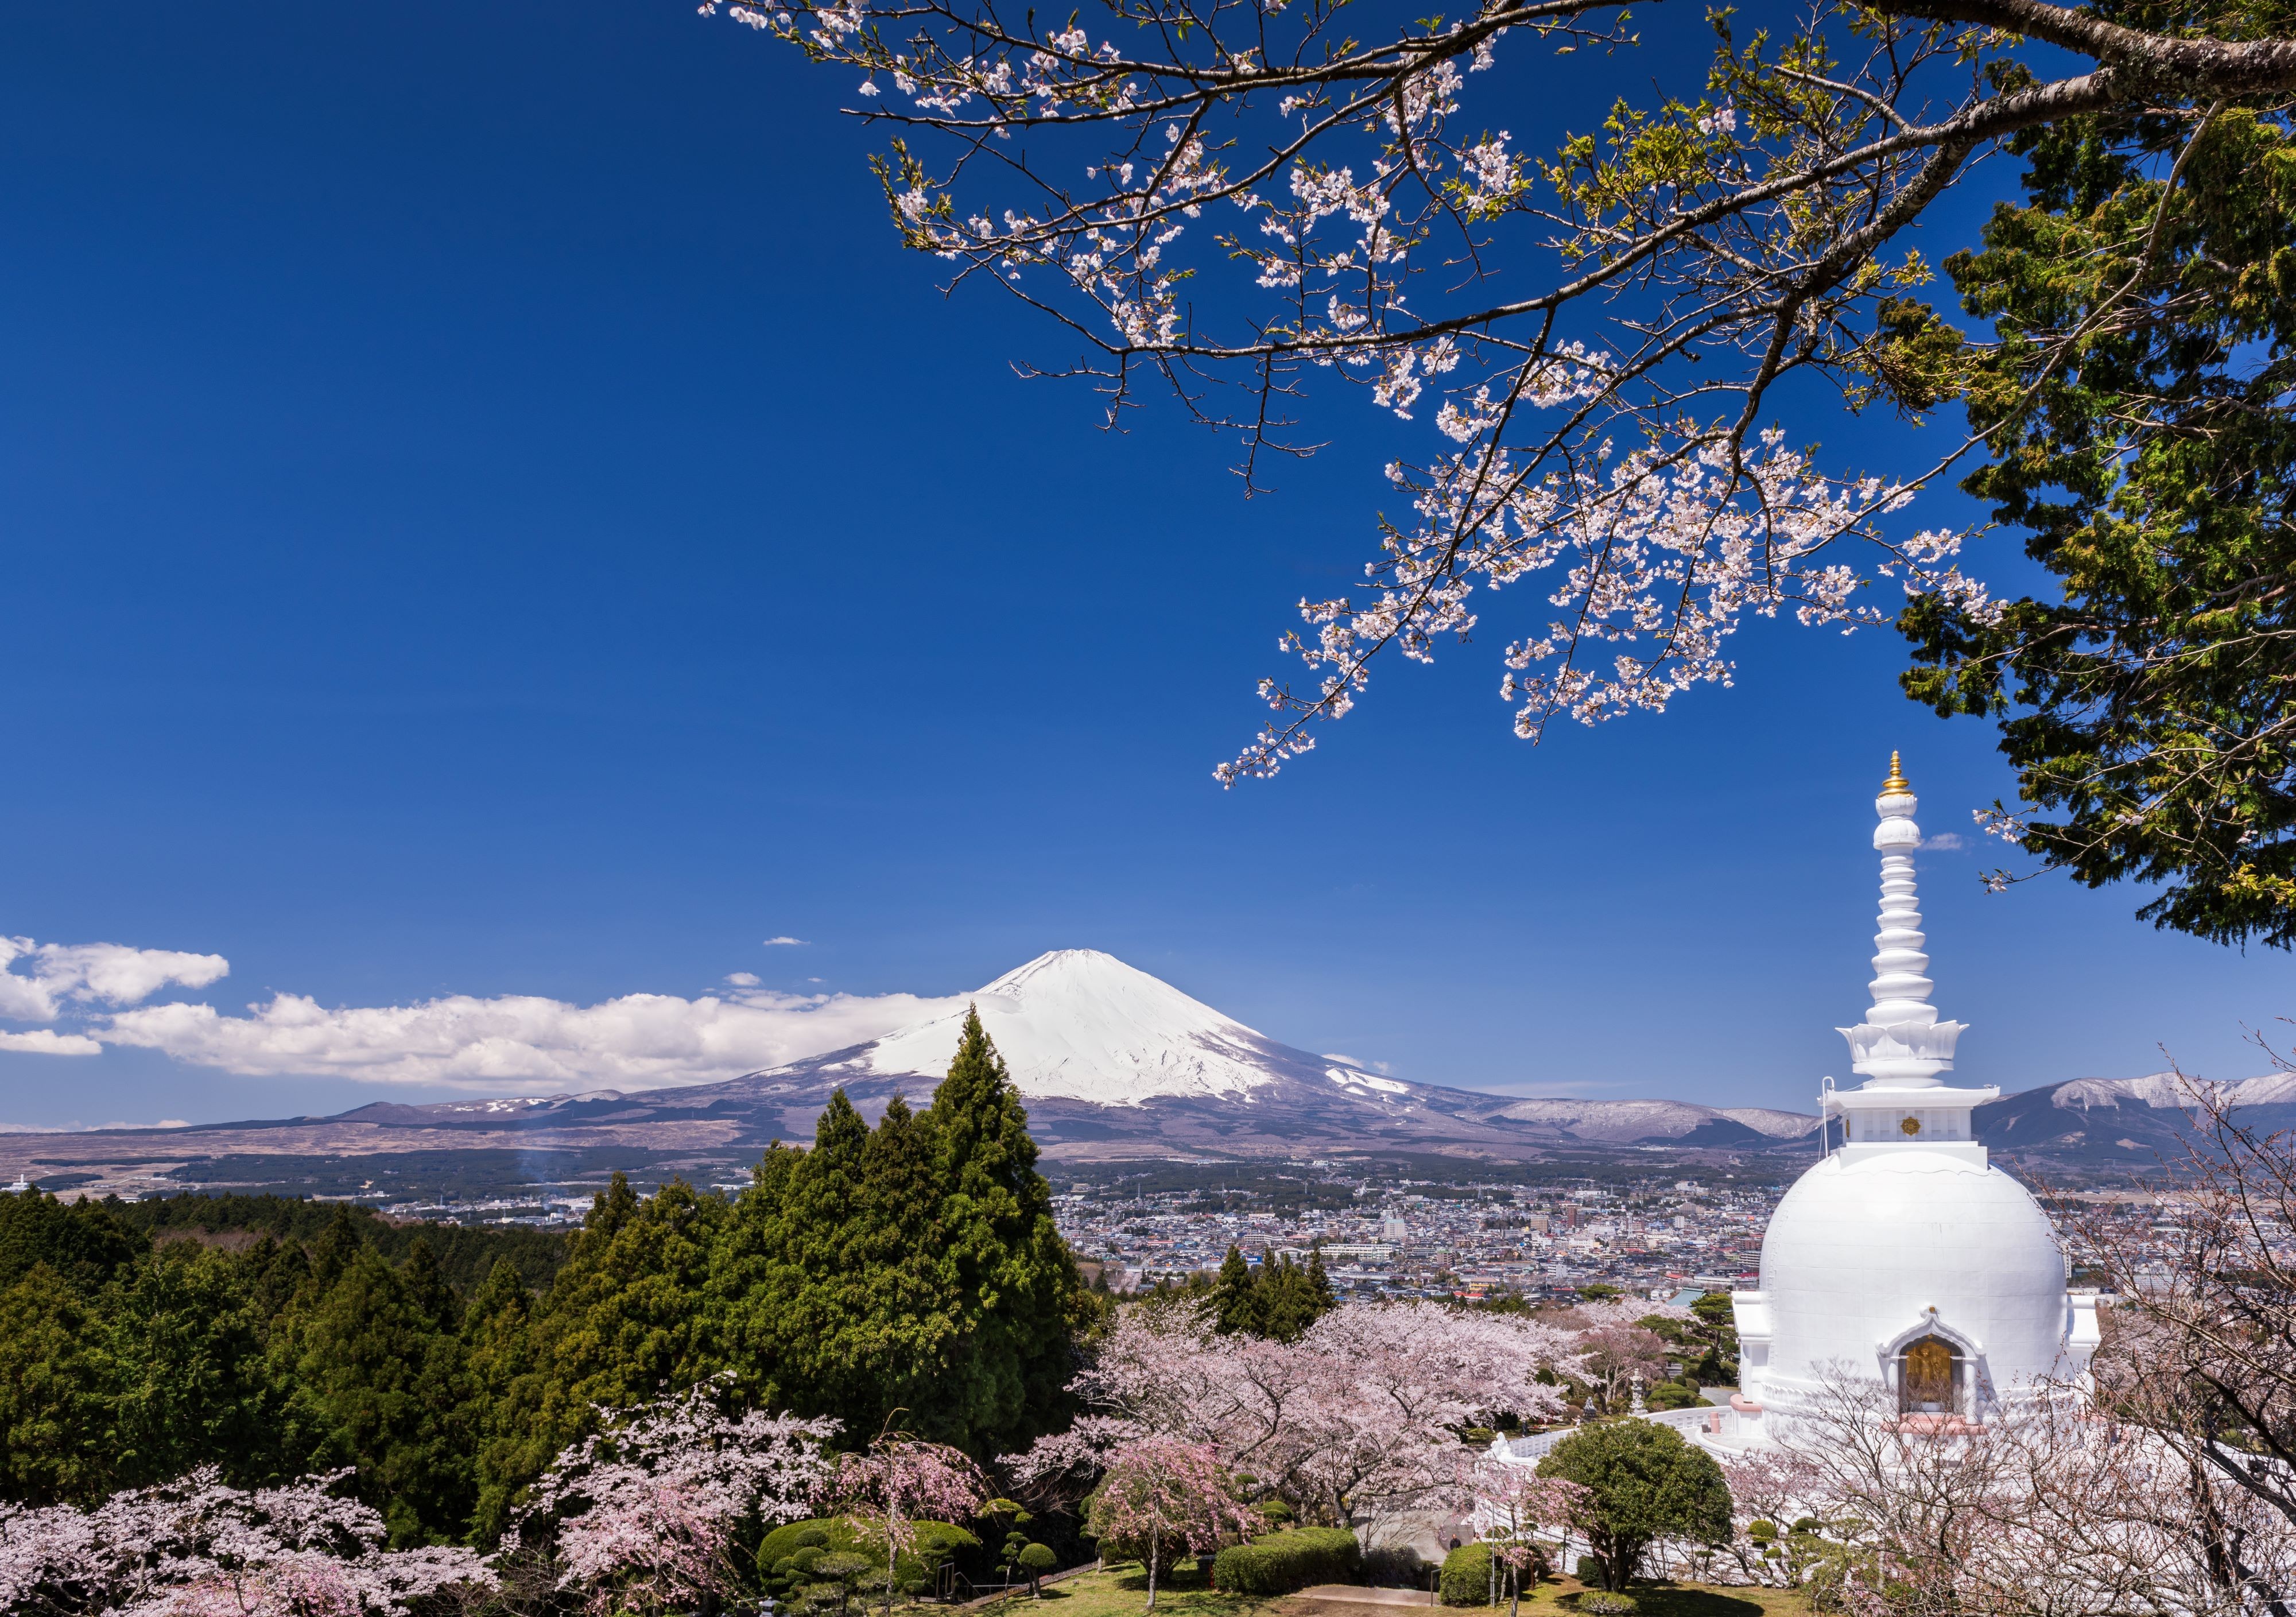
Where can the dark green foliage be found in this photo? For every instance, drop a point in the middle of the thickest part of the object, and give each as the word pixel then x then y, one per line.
pixel 787 1556
pixel 2134 414
pixel 379 1383
pixel 1466 1578
pixel 189 1381
pixel 84 1244
pixel 53 1393
pixel 1642 1484
pixel 1276 1299
pixel 1672 1395
pixel 1284 1562
pixel 466 1254
pixel 911 1269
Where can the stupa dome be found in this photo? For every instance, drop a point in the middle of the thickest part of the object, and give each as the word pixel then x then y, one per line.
pixel 1869 1254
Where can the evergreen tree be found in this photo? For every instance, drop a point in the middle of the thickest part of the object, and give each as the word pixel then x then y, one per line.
pixel 381 1385
pixel 84 1244
pixel 498 1362
pixel 1287 1301
pixel 625 1319
pixel 1236 1296
pixel 192 1383
pixel 54 1400
pixel 1319 1284
pixel 1010 1274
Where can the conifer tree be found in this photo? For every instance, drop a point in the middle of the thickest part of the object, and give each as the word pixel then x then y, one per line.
pixel 498 1361
pixel 383 1386
pixel 1319 1284
pixel 626 1317
pixel 190 1384
pixel 1013 1283
pixel 53 1402
pixel 1236 1296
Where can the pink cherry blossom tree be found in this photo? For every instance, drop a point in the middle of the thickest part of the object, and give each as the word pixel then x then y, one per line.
pixel 643 1510
pixel 1512 1505
pixel 900 1481
pixel 1165 1493
pixel 1356 1422
pixel 1587 333
pixel 196 1547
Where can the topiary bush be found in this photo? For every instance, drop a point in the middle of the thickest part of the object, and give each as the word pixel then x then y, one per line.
pixel 789 1558
pixel 1602 1603
pixel 1466 1576
pixel 1284 1562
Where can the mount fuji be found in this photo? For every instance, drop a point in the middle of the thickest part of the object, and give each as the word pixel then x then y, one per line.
pixel 1111 1062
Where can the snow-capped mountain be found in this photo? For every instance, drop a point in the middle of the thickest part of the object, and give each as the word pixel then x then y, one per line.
pixel 1105 1053
pixel 1085 1026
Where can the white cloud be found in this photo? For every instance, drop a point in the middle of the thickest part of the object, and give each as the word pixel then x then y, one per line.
pixel 743 980
pixel 85 974
pixel 1944 840
pixel 637 1041
pixel 40 1041
pixel 786 943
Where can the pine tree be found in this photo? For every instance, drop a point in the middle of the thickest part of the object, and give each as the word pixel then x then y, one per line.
pixel 84 1244
pixel 499 1358
pixel 628 1317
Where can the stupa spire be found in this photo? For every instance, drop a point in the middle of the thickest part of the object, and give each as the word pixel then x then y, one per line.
pixel 1901 1043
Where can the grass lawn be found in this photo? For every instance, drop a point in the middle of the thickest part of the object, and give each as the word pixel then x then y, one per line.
pixel 1122 1590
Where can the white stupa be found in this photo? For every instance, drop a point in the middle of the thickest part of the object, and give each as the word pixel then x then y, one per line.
pixel 1904 1255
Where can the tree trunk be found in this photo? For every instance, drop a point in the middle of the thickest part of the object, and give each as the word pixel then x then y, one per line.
pixel 1153 1542
pixel 892 1545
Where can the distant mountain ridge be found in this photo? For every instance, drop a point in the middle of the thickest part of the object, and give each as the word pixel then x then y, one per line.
pixel 1113 1063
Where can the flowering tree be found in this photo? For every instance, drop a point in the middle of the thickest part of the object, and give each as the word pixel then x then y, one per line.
pixel 1164 1493
pixel 1618 1349
pixel 900 1481
pixel 2063 1513
pixel 1355 1421
pixel 194 1548
pixel 1234 197
pixel 1512 1504
pixel 643 1510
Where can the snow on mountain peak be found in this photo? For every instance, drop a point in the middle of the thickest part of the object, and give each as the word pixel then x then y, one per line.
pixel 1082 1025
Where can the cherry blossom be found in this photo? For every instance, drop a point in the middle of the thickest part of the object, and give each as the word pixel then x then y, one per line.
pixel 900 1481
pixel 1240 205
pixel 196 1547
pixel 1357 1421
pixel 1166 1492
pixel 643 1510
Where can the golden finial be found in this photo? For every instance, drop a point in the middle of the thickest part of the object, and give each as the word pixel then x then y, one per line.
pixel 1896 781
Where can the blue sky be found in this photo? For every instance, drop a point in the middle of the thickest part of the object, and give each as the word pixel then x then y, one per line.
pixel 488 510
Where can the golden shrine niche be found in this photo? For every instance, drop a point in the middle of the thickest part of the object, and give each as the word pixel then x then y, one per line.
pixel 1926 1379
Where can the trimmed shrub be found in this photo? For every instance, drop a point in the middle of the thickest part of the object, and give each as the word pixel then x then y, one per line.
pixel 1601 1602
pixel 1285 1562
pixel 1466 1576
pixel 787 1557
